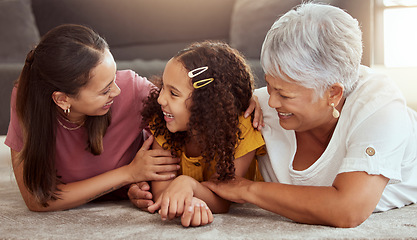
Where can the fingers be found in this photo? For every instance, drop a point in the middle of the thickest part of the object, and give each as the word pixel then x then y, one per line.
pixel 144 186
pixel 166 168
pixel 187 216
pixel 142 204
pixel 161 177
pixel 148 143
pixel 140 197
pixel 197 214
pixel 252 105
pixel 164 208
pixel 152 208
pixel 258 115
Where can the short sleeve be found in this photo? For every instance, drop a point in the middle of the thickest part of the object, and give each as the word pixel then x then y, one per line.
pixel 251 139
pixel 377 146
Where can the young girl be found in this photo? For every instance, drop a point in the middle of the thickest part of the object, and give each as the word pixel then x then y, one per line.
pixel 198 114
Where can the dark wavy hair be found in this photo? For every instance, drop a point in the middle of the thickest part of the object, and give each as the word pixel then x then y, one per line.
pixel 62 61
pixel 215 107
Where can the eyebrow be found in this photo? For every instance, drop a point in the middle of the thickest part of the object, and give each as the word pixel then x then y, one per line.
pixel 170 86
pixel 108 85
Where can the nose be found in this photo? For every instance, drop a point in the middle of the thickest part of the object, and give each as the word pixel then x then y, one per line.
pixel 115 90
pixel 274 101
pixel 161 99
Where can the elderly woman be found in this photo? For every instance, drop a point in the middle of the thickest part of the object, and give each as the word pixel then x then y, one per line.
pixel 341 141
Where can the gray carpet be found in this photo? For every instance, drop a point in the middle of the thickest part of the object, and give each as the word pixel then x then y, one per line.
pixel 120 220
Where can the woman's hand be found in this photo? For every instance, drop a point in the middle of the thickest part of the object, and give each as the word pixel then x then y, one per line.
pixel 175 197
pixel 140 195
pixel 231 190
pixel 153 165
pixel 197 214
pixel 258 121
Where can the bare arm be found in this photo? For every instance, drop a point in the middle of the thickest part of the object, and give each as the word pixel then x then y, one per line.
pixel 183 188
pixel 347 203
pixel 142 168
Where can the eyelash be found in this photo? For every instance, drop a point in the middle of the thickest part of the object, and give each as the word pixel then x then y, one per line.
pixel 285 97
pixel 107 91
pixel 174 94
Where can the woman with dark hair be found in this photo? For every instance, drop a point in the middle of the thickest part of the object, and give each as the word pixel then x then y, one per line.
pixel 76 124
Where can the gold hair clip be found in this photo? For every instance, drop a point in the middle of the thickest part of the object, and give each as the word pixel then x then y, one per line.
pixel 202 83
pixel 196 72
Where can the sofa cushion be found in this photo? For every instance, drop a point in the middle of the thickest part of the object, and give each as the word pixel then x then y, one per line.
pixel 127 23
pixel 251 21
pixel 18 30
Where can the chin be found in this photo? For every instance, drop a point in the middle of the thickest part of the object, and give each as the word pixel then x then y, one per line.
pixel 286 126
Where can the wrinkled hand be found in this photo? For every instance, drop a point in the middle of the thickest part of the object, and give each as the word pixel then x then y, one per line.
pixel 258 121
pixel 140 195
pixel 197 214
pixel 153 165
pixel 232 190
pixel 175 197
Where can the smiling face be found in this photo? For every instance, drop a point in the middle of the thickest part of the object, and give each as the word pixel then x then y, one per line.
pixel 174 97
pixel 297 106
pixel 96 97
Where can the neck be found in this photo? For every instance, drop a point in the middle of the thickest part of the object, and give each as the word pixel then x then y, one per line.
pixel 72 119
pixel 191 147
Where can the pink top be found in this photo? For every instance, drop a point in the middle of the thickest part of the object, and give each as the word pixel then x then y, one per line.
pixel 121 142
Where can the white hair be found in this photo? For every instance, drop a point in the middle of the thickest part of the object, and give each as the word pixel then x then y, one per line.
pixel 315 45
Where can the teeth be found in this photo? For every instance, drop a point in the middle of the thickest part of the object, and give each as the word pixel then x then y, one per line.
pixel 285 114
pixel 109 103
pixel 168 115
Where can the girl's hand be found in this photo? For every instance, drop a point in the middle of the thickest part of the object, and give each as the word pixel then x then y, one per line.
pixel 258 121
pixel 153 165
pixel 175 197
pixel 196 214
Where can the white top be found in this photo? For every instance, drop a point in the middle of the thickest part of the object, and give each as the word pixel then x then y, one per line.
pixel 376 133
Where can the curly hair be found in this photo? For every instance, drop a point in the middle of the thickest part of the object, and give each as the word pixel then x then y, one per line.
pixel 216 107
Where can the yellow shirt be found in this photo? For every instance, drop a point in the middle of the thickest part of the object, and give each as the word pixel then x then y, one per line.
pixel 199 169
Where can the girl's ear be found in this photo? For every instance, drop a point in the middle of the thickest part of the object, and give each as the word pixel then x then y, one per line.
pixel 336 93
pixel 61 99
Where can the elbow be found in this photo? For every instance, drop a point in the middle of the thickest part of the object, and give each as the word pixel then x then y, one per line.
pixel 221 209
pixel 350 219
pixel 36 208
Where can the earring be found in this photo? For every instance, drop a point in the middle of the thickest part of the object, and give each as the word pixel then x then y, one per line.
pixel 67 111
pixel 335 113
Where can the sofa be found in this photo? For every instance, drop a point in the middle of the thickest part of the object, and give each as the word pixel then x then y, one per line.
pixel 144 34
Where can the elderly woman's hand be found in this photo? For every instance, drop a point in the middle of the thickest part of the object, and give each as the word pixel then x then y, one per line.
pixel 231 190
pixel 254 106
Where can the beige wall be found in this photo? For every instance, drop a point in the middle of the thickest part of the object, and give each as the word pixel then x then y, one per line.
pixel 406 79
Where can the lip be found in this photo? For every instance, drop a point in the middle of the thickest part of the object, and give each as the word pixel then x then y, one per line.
pixel 168 117
pixel 284 115
pixel 108 104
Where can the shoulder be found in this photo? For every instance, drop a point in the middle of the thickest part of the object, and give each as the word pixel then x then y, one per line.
pixel 129 79
pixel 373 93
pixel 134 88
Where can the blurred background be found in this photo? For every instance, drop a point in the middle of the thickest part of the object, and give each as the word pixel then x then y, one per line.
pixel 144 34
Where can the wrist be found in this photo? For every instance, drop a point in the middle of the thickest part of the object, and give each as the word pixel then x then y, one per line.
pixel 128 174
pixel 249 193
pixel 189 181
